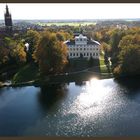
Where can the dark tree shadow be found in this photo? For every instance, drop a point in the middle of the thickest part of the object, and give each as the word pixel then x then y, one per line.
pixel 97 63
pixel 50 96
pixel 80 83
pixel 107 63
pixel 131 84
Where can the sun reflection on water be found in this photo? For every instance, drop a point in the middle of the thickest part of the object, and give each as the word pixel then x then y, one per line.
pixel 92 100
pixel 94 93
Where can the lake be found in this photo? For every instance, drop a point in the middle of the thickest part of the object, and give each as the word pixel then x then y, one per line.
pixel 92 108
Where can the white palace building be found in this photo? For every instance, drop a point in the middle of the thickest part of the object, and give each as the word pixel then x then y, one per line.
pixel 81 46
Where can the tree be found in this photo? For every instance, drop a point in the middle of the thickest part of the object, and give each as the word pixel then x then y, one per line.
pixel 129 60
pixel 115 40
pixel 106 48
pixel 50 54
pixel 59 36
pixel 129 56
pixel 129 39
pixel 63 36
pixel 20 53
pixel 3 55
pixel 17 55
pixel 32 38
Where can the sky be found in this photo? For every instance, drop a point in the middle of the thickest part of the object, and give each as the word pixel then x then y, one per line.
pixel 71 10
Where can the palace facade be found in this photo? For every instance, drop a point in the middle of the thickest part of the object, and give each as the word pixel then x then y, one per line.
pixel 81 46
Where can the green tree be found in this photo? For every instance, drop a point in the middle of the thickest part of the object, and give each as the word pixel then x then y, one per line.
pixel 3 55
pixel 129 60
pixel 128 57
pixel 16 55
pixel 32 38
pixel 115 40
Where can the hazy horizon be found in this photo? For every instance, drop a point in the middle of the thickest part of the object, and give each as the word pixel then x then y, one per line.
pixel 78 19
pixel 75 20
pixel 63 11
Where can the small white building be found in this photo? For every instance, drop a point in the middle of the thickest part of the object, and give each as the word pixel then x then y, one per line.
pixel 81 46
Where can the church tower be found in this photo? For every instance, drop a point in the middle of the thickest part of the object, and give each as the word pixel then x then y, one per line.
pixel 8 20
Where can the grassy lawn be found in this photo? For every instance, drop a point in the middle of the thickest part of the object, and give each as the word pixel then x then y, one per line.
pixel 28 72
pixel 102 62
pixel 103 68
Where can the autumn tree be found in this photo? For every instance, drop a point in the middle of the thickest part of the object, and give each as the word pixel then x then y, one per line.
pixel 60 36
pixel 51 54
pixel 106 48
pixel 63 36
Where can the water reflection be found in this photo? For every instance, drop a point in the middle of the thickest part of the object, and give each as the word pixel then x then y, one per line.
pixel 80 83
pixel 94 108
pixel 93 93
pixel 49 97
pixel 93 99
pixel 131 84
pixel 129 87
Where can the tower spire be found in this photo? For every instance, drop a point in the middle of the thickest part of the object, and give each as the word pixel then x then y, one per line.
pixel 8 20
pixel 7 10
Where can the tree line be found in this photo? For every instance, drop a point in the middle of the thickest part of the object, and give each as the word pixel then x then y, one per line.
pixel 45 49
pixel 123 47
pixel 49 53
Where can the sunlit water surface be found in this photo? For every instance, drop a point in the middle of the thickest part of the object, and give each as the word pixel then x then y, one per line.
pixel 93 108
